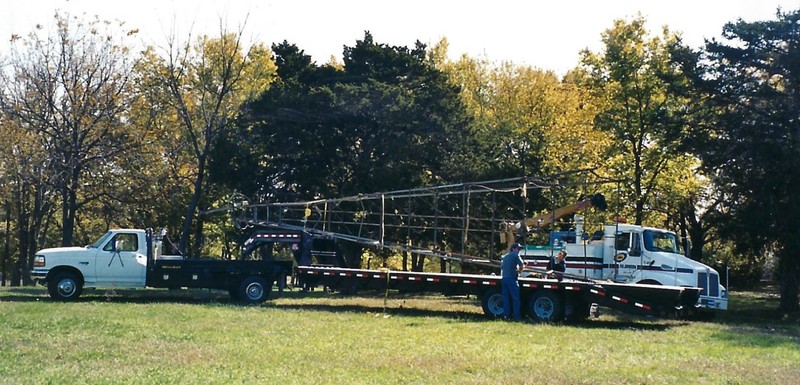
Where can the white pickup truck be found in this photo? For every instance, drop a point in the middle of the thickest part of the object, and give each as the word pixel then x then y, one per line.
pixel 132 258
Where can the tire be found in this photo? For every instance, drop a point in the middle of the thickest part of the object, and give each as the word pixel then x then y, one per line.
pixel 65 286
pixel 254 290
pixel 545 306
pixel 492 303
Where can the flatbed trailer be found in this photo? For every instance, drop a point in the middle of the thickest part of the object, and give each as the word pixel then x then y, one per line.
pixel 543 299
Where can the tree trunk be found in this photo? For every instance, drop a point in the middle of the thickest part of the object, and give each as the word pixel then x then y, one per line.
pixel 6 246
pixel 21 264
pixel 193 204
pixel 790 300
pixel 69 206
pixel 417 263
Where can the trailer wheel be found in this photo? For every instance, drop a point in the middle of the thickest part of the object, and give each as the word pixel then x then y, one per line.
pixel 65 286
pixel 254 290
pixel 546 306
pixel 492 303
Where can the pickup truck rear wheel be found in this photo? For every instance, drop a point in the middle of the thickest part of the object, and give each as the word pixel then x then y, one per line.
pixel 65 286
pixel 254 290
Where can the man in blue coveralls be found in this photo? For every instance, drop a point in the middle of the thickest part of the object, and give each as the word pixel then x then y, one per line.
pixel 511 265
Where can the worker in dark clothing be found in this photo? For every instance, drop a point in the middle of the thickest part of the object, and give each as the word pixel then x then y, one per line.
pixel 558 265
pixel 511 266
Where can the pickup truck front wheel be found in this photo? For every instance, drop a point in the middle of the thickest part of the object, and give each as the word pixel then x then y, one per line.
pixel 65 286
pixel 254 290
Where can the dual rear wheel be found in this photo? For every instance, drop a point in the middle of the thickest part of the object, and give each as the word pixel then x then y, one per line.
pixel 541 306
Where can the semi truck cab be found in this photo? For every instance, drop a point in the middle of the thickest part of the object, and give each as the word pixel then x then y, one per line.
pixel 625 253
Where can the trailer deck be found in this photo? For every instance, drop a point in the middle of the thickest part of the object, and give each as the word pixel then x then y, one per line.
pixel 543 299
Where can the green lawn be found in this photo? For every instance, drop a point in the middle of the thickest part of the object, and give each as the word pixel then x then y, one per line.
pixel 200 337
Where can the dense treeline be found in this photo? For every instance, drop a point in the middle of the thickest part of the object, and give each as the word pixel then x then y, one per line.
pixel 97 134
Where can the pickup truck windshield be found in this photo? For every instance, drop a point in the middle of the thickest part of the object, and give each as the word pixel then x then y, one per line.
pixel 102 240
pixel 660 241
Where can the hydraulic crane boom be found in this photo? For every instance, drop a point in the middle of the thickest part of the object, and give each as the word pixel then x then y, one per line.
pixel 596 200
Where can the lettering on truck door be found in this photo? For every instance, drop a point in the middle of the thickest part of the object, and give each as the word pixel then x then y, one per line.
pixel 628 256
pixel 120 263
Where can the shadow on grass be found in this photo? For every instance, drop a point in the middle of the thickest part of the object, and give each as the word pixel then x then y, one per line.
pixel 396 311
pixel 192 296
pixel 206 297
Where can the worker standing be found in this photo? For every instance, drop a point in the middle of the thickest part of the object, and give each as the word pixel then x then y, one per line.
pixel 556 267
pixel 511 266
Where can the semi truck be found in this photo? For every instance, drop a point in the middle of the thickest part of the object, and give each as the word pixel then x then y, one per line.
pixel 134 259
pixel 626 253
pixel 620 252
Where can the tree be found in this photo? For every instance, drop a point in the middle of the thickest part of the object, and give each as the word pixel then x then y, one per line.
pixel 631 81
pixel 387 120
pixel 750 145
pixel 207 82
pixel 28 196
pixel 526 121
pixel 67 96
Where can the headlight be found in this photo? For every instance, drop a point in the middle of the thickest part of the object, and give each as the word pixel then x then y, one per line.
pixel 39 261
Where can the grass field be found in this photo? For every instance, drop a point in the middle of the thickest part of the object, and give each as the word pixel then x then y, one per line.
pixel 201 337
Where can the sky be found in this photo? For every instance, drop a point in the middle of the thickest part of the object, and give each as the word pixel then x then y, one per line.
pixel 545 34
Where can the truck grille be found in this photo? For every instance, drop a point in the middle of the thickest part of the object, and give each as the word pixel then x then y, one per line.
pixel 713 285
pixel 709 283
pixel 702 282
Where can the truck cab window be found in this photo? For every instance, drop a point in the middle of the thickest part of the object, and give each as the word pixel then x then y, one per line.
pixel 122 242
pixel 636 245
pixel 661 241
pixel 623 241
pixel 102 240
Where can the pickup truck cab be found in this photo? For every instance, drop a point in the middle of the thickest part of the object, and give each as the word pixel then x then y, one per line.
pixel 132 258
